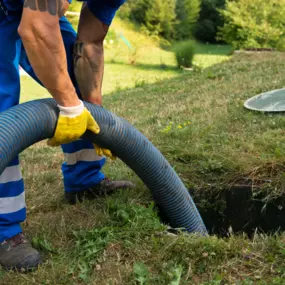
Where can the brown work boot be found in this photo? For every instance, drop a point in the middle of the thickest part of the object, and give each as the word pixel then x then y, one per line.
pixel 105 187
pixel 16 253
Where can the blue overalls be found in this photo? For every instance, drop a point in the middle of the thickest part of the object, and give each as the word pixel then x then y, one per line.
pixel 82 166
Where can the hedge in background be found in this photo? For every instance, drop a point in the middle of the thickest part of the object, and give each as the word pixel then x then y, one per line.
pixel 156 16
pixel 171 19
pixel 254 24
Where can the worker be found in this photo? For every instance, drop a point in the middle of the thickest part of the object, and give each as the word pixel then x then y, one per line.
pixel 35 35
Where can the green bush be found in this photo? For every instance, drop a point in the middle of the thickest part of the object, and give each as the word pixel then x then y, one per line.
pixel 135 10
pixel 184 53
pixel 171 19
pixel 254 24
pixel 157 17
pixel 187 12
pixel 209 20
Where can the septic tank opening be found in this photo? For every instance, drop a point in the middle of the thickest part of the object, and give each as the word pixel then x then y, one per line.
pixel 240 209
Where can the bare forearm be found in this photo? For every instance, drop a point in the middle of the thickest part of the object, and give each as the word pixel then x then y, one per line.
pixel 88 68
pixel 44 46
pixel 89 56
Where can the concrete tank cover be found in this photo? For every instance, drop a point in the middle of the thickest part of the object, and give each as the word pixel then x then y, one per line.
pixel 271 101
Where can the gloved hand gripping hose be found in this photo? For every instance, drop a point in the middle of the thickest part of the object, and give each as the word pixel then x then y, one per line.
pixel 72 123
pixel 23 125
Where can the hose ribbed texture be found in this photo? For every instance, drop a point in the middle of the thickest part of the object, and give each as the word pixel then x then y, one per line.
pixel 23 125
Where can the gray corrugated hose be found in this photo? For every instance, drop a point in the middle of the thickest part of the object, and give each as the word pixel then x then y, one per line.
pixel 23 125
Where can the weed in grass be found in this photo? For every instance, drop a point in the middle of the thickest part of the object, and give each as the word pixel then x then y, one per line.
pixel 170 128
pixel 140 83
pixel 42 244
pixel 176 275
pixel 127 225
pixel 142 274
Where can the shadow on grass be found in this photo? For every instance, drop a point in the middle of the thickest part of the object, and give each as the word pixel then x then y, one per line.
pixel 201 49
pixel 206 49
pixel 144 66
pixel 211 49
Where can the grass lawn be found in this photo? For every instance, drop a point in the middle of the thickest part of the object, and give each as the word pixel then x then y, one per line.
pixel 198 121
pixel 152 65
pixel 127 68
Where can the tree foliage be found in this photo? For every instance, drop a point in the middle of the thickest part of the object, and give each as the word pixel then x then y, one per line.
pixel 160 17
pixel 209 20
pixel 172 19
pixel 254 24
pixel 187 12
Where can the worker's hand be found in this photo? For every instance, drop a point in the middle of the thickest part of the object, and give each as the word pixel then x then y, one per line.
pixel 102 151
pixel 72 124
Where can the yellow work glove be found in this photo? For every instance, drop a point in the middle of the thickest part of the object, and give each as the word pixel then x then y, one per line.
pixel 103 151
pixel 72 124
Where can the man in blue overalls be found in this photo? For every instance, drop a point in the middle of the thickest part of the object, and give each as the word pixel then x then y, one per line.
pixel 35 35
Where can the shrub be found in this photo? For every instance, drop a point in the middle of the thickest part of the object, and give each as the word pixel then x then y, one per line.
pixel 254 24
pixel 209 20
pixel 187 12
pixel 184 53
pixel 171 19
pixel 156 16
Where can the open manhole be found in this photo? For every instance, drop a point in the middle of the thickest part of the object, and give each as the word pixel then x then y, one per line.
pixel 241 208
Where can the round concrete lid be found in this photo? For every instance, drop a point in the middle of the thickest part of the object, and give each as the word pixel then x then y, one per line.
pixel 271 101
